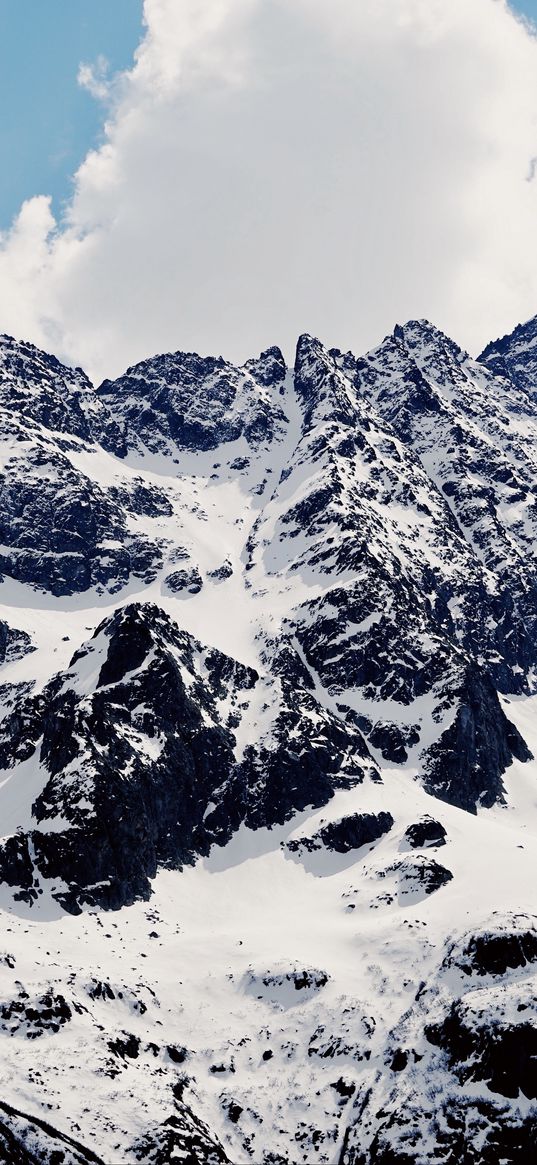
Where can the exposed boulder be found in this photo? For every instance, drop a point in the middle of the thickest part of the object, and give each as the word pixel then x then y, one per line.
pixel 344 835
pixel 496 949
pixel 427 833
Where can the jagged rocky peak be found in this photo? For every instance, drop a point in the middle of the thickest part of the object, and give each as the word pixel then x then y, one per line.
pixel 184 401
pixel 410 371
pixel 423 339
pixel 514 357
pixel 269 368
pixel 36 386
pixel 21 363
pixel 479 454
pixel 416 346
pixel 359 512
pixel 131 749
pixel 322 388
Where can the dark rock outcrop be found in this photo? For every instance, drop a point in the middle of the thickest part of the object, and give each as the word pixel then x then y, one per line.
pixel 189 402
pixel 142 770
pixel 16 866
pixel 347 834
pixel 496 950
pixel 501 1052
pixel 184 580
pixel 425 834
pixel 423 874
pixel 465 766
pixel 183 1136
pixel 61 532
pixel 480 1132
pixel 463 1059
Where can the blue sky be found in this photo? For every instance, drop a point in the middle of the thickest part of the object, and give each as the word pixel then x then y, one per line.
pixel 47 122
pixel 528 7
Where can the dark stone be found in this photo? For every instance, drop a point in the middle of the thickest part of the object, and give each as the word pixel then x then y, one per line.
pixel 344 1088
pixel 425 834
pixel 185 580
pixel 306 979
pixel 234 1112
pixel 125 1047
pixel 495 953
pixel 221 572
pixel 399 1060
pixel 177 1054
pixel 502 1054
pixel 465 766
pixel 46 1013
pixel 391 742
pixel 16 866
pixel 349 833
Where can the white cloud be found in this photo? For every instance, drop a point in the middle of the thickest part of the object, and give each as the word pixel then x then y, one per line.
pixel 272 166
pixel 95 78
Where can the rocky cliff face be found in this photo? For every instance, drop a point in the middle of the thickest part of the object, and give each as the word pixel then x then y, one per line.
pixel 268 639
pixel 140 767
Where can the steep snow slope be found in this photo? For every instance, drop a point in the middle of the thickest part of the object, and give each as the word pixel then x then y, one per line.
pixel 269 647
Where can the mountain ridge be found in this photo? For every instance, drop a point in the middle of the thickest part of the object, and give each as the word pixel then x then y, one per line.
pixel 269 677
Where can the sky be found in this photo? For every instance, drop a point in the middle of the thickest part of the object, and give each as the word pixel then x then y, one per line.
pixel 527 8
pixel 261 168
pixel 47 120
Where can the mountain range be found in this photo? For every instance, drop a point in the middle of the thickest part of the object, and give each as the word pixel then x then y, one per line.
pixel 268 775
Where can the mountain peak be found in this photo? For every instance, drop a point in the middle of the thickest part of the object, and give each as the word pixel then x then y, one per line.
pixel 39 390
pixel 423 336
pixel 524 333
pixel 514 356
pixel 269 368
pixel 182 401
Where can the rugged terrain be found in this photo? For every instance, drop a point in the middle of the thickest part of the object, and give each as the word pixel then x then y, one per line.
pixel 268 795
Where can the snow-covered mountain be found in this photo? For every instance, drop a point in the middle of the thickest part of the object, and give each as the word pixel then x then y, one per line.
pixel 268 795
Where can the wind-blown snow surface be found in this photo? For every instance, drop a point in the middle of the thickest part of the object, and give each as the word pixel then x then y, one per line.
pixel 268 800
